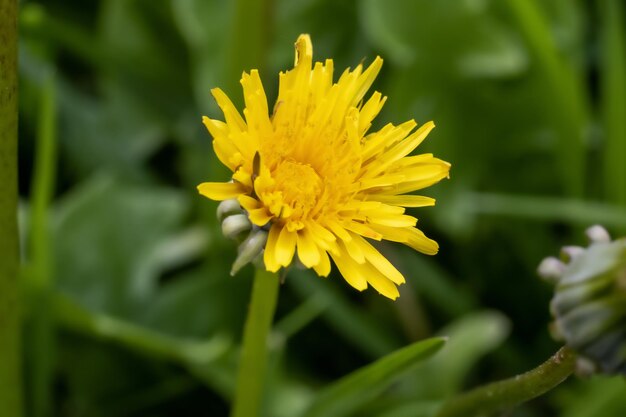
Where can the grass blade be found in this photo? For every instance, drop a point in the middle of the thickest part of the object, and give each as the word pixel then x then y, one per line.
pixel 355 389
pixel 565 94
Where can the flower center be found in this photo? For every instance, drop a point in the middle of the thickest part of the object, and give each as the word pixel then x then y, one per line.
pixel 294 194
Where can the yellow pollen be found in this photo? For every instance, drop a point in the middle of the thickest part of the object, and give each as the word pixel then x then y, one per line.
pixel 294 193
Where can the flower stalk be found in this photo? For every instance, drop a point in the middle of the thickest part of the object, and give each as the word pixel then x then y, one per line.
pixel 508 393
pixel 254 351
pixel 10 363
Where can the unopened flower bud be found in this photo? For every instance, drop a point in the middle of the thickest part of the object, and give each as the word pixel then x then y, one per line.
pixel 250 249
pixel 571 252
pixel 228 208
pixel 551 268
pixel 589 305
pixel 233 227
pixel 598 234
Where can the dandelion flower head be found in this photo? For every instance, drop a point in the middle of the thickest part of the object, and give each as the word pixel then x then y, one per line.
pixel 313 176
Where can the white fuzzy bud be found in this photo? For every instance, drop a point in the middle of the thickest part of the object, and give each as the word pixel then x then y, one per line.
pixel 598 234
pixel 551 268
pixel 234 226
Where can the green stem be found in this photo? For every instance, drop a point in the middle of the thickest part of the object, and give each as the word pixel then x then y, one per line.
pixel 508 393
pixel 10 350
pixel 248 41
pixel 613 82
pixel 41 335
pixel 253 360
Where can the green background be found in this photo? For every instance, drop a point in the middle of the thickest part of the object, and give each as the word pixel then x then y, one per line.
pixel 129 308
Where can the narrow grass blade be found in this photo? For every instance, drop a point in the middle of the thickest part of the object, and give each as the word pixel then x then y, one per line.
pixel 565 94
pixel 356 389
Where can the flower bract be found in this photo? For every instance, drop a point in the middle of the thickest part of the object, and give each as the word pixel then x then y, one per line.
pixel 312 174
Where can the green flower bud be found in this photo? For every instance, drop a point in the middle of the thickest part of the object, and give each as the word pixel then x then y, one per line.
pixel 250 249
pixel 227 208
pixel 235 226
pixel 589 305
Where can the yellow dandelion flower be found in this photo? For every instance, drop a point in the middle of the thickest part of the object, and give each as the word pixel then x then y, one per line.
pixel 312 175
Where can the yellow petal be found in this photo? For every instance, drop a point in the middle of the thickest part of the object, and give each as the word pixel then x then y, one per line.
pixel 394 221
pixel 285 246
pixel 387 180
pixel 323 266
pixel 269 256
pixel 304 51
pixel 418 241
pixel 369 110
pixel 249 203
pixel 243 177
pixel 426 171
pixel 410 236
pixel 363 230
pixel 405 200
pixel 406 146
pixel 381 283
pixel 233 119
pixel 260 216
pixel 366 79
pixel 339 231
pixel 308 252
pixel 220 191
pixel 379 261
pixel 349 270
pixel 359 275
pixel 353 250
pixel 377 142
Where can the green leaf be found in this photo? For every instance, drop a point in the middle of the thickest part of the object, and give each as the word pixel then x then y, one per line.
pixel 464 37
pixel 205 43
pixel 363 385
pixel 105 233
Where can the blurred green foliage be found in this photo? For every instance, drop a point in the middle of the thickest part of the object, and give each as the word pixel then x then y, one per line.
pixel 138 312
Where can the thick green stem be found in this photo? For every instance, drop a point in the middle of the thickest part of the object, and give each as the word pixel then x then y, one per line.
pixel 613 83
pixel 502 395
pixel 10 358
pixel 248 41
pixel 253 360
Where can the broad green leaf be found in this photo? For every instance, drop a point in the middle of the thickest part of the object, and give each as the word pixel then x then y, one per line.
pixel 461 36
pixel 355 390
pixel 105 233
pixel 192 352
